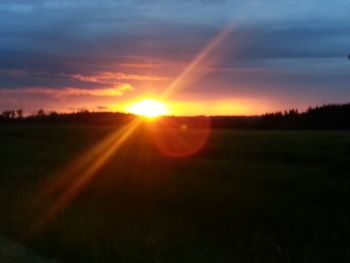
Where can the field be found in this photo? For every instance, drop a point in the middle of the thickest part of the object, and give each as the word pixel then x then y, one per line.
pixel 247 196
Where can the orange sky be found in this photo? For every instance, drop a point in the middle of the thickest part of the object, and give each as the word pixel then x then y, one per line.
pixel 199 89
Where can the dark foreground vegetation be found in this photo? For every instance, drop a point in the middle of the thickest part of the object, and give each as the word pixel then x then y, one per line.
pixel 247 196
pixel 327 117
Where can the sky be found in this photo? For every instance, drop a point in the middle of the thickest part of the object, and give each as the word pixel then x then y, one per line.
pixel 211 57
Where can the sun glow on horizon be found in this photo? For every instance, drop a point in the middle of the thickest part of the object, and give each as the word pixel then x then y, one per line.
pixel 149 108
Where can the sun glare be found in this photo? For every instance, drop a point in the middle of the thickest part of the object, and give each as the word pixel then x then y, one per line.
pixel 149 108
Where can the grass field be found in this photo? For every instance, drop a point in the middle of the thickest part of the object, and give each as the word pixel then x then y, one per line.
pixel 248 196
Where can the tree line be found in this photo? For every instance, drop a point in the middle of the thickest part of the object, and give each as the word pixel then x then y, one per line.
pixel 331 116
pixel 326 117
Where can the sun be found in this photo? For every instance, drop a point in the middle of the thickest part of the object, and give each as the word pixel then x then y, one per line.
pixel 149 108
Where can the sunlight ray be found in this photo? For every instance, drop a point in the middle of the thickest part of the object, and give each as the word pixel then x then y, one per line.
pixel 198 61
pixel 83 171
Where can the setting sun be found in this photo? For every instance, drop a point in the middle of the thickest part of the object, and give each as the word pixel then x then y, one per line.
pixel 149 108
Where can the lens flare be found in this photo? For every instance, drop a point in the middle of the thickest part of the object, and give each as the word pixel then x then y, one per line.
pixel 68 183
pixel 177 137
pixel 180 137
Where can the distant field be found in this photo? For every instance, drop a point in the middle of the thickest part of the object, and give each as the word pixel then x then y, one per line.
pixel 248 196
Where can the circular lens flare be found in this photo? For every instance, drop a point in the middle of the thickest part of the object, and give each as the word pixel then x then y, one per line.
pixel 180 137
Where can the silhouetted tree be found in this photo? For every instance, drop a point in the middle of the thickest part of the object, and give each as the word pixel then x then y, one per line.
pixel 19 113
pixel 40 113
pixel 53 114
pixel 5 114
pixel 8 114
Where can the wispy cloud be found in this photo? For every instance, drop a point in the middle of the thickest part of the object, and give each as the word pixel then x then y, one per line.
pixel 139 65
pixel 110 77
pixel 116 91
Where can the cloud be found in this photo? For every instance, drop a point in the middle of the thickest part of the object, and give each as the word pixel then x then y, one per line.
pixel 117 91
pixel 100 107
pixel 110 77
pixel 139 65
pixel 86 48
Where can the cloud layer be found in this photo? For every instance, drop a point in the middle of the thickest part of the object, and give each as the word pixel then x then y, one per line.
pixel 292 52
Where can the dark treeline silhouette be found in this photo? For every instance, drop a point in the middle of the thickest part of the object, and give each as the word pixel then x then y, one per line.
pixel 81 117
pixel 326 117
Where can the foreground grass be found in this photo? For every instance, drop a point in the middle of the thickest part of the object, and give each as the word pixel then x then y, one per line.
pixel 246 197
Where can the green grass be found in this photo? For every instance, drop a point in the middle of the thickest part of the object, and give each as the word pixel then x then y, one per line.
pixel 248 196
